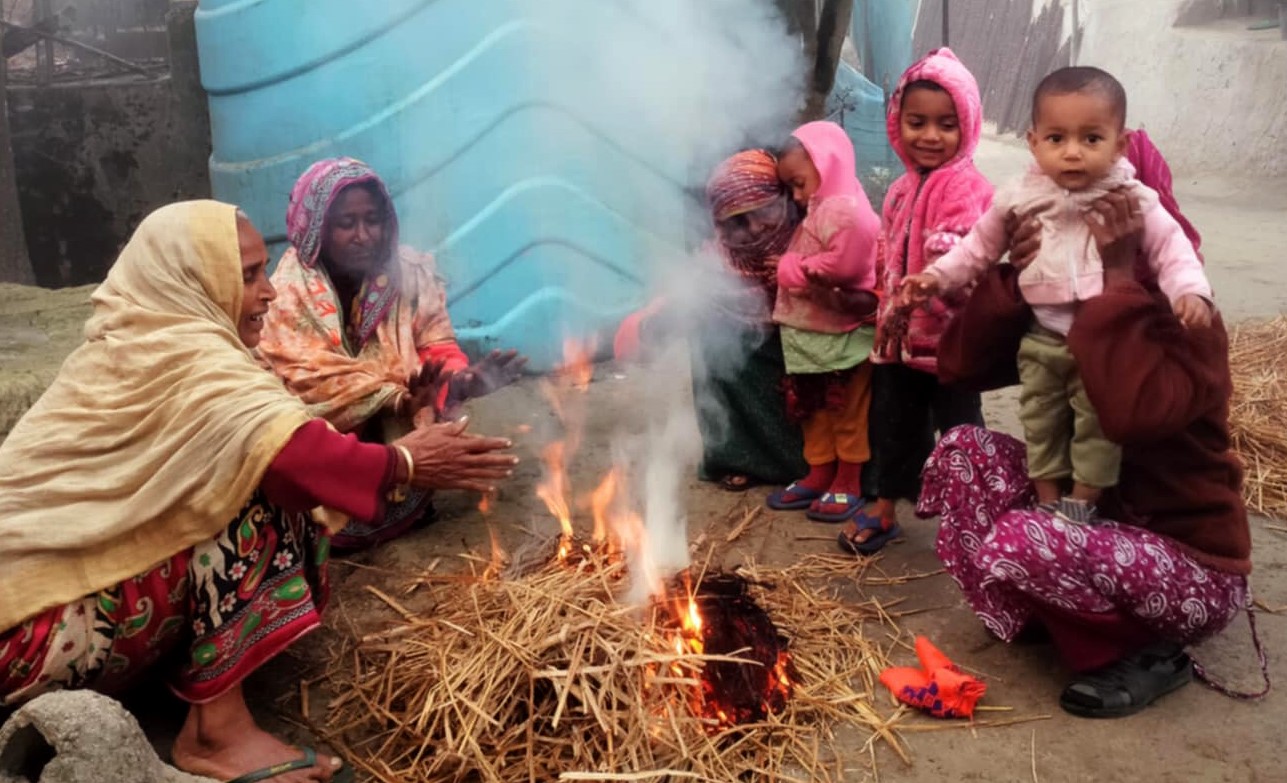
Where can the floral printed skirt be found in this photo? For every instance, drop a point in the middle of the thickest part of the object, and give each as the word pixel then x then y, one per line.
pixel 211 615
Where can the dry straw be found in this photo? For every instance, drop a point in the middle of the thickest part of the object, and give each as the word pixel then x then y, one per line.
pixel 545 676
pixel 1258 411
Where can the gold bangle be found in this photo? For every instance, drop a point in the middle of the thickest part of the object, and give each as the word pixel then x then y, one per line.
pixel 411 463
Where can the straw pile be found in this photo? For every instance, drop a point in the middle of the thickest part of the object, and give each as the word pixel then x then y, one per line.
pixel 546 676
pixel 1258 413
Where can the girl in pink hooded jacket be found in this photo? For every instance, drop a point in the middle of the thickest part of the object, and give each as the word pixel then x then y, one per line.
pixel 826 345
pixel 934 122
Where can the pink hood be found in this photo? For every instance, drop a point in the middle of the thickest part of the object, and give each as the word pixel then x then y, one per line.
pixel 926 214
pixel 833 156
pixel 943 68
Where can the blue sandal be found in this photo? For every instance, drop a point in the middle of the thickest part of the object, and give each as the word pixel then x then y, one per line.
pixel 803 497
pixel 850 505
pixel 881 536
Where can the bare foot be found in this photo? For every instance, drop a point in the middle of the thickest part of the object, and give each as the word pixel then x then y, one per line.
pixel 220 740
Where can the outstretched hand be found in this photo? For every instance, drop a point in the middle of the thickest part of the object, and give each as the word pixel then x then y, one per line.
pixel 916 290
pixel 496 370
pixel 448 457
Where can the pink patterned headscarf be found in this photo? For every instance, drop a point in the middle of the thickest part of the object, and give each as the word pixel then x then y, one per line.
pixel 310 201
pixel 1151 169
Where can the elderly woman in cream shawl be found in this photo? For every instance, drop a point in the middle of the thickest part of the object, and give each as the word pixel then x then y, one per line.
pixel 168 503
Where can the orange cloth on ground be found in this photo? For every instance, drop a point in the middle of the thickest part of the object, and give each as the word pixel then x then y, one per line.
pixel 938 687
pixel 831 435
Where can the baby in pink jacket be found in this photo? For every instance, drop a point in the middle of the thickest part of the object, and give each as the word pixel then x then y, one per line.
pixel 1078 138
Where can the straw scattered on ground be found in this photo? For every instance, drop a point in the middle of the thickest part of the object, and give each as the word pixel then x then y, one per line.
pixel 547 676
pixel 1258 412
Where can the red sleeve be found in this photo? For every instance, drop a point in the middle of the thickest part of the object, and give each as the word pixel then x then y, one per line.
pixel 321 467
pixel 455 361
pixel 1148 377
pixel 448 351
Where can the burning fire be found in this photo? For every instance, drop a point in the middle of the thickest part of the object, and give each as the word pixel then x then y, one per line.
pixel 602 502
pixel 760 681
pixel 745 668
pixel 555 489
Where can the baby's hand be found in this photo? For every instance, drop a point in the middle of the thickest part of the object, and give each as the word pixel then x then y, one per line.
pixel 916 290
pixel 1193 311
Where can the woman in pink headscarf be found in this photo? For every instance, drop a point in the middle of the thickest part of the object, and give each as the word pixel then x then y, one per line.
pixel 360 330
pixel 736 351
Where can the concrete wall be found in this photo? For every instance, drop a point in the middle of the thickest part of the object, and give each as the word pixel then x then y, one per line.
pixel 1210 92
pixel 94 157
pixel 1214 96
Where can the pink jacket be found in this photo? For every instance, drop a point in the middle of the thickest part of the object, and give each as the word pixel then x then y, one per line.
pixel 837 238
pixel 926 214
pixel 1068 268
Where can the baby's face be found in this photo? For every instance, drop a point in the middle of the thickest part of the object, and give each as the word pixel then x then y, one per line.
pixel 796 169
pixel 1076 139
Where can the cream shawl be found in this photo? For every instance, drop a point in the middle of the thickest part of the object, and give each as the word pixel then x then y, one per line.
pixel 157 429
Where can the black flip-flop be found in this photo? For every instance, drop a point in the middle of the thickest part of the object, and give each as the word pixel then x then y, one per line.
pixel 305 761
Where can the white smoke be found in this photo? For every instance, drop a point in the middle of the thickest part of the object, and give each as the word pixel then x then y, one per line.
pixel 655 93
pixel 668 89
pixel 680 83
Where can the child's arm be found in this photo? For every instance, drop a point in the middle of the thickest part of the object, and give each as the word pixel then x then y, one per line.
pixel 848 256
pixel 962 264
pixel 1179 271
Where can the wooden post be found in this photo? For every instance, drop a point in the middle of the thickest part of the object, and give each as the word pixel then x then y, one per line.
pixel 15 266
pixel 822 30
pixel 44 49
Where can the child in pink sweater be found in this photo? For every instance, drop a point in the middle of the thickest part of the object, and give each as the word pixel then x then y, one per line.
pixel 826 345
pixel 935 119
pixel 1077 138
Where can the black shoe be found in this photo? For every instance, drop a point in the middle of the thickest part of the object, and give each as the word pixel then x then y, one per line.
pixel 1130 684
pixel 1032 633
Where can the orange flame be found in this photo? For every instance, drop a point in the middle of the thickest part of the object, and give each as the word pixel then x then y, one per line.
pixel 690 619
pixel 578 364
pixel 500 558
pixel 601 501
pixel 555 489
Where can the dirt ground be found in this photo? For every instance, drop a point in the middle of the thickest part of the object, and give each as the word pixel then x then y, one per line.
pixel 1192 735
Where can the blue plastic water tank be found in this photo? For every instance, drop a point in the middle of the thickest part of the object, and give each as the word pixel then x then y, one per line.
pixel 517 194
